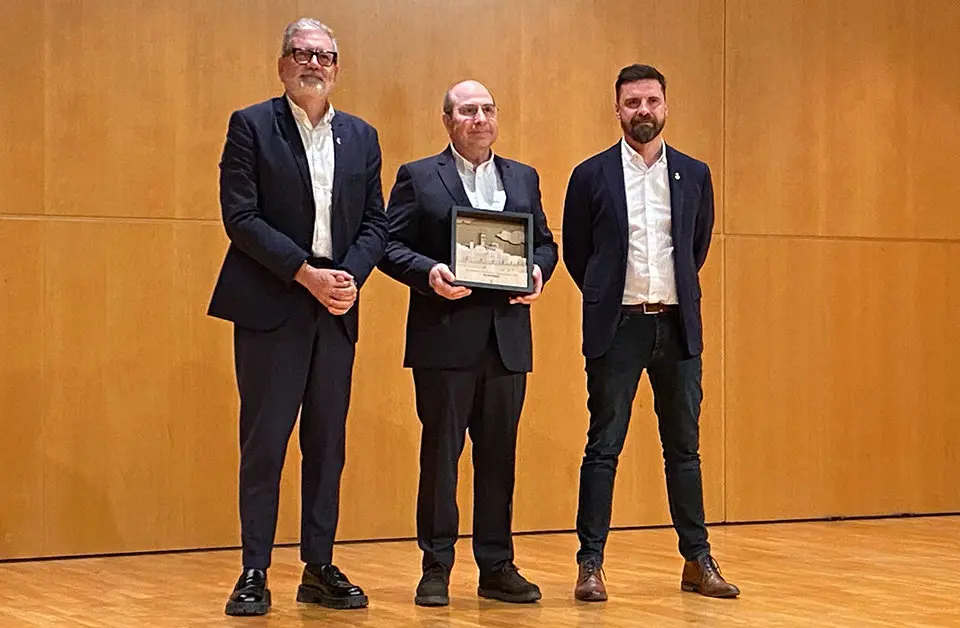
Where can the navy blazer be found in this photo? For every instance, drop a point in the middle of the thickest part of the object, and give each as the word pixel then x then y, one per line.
pixel 451 334
pixel 595 241
pixel 266 198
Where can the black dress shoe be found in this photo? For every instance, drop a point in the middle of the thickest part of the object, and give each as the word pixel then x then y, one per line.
pixel 327 586
pixel 434 586
pixel 507 585
pixel 250 595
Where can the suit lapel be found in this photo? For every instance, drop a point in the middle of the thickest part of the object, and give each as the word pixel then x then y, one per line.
pixel 340 135
pixel 612 166
pixel 451 178
pixel 676 174
pixel 510 187
pixel 291 134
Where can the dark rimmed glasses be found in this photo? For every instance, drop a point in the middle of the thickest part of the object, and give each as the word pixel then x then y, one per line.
pixel 324 57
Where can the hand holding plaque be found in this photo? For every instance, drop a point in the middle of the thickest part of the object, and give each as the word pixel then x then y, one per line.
pixel 443 282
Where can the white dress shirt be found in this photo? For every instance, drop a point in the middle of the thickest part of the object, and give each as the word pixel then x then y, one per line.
pixel 482 183
pixel 650 271
pixel 318 144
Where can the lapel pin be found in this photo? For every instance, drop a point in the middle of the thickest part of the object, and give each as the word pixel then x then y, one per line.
pixel 676 175
pixel 338 144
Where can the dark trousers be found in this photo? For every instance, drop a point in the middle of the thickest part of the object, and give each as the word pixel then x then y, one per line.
pixel 485 399
pixel 654 342
pixel 306 364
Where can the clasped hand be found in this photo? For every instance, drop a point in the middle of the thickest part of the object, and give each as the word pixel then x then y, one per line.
pixel 336 290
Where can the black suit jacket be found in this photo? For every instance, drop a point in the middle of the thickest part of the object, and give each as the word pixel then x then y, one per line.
pixel 595 241
pixel 268 210
pixel 451 334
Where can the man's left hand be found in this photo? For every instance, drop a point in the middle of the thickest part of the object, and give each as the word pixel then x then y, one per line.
pixel 527 299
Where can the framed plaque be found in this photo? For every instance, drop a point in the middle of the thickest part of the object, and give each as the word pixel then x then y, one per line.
pixel 490 249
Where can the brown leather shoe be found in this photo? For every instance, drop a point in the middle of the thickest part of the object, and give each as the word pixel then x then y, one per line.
pixel 590 586
pixel 703 576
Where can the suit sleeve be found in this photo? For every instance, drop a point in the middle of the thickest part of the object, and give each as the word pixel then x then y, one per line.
pixel 401 261
pixel 577 231
pixel 544 247
pixel 704 226
pixel 367 248
pixel 242 220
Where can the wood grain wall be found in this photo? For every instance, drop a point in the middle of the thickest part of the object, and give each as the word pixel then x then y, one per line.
pixel 829 298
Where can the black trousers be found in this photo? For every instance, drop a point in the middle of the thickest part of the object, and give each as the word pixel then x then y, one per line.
pixel 305 365
pixel 652 342
pixel 485 399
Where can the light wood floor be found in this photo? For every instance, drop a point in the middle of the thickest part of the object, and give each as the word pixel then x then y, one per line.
pixel 895 572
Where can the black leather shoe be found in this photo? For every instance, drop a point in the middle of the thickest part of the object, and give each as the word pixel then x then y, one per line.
pixel 327 586
pixel 250 595
pixel 434 587
pixel 507 585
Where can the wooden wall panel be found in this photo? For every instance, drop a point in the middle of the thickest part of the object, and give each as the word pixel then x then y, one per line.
pixel 554 425
pixel 713 419
pixel 555 92
pixel 817 120
pixel 140 93
pixel 571 54
pixel 22 463
pixel 642 499
pixel 228 48
pixel 842 118
pixel 22 110
pixel 841 358
pixel 399 59
pixel 139 434
pixel 176 130
pixel 383 434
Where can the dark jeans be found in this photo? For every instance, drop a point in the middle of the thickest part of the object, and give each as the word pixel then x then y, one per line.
pixel 485 399
pixel 652 342
pixel 304 365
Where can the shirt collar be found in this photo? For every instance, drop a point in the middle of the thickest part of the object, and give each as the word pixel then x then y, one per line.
pixel 304 120
pixel 464 164
pixel 634 157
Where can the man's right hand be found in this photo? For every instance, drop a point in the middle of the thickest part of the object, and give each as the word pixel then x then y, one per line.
pixel 441 280
pixel 334 289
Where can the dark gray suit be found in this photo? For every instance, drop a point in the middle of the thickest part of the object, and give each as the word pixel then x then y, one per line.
pixel 469 356
pixel 290 352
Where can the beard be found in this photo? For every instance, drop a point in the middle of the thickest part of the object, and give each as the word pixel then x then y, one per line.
pixel 644 129
pixel 311 83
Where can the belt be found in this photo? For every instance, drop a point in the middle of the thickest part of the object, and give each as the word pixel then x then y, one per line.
pixel 649 308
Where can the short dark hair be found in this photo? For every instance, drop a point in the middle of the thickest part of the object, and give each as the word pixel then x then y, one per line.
pixel 448 102
pixel 638 72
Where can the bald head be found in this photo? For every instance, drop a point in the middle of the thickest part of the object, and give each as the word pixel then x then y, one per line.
pixel 462 91
pixel 470 117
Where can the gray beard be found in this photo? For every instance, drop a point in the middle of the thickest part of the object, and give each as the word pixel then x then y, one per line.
pixel 312 84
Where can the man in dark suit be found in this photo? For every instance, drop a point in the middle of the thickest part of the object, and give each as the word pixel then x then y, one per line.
pixel 636 230
pixel 303 208
pixel 470 350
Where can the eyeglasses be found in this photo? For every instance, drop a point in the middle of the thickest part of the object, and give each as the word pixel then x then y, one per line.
pixel 324 57
pixel 470 111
